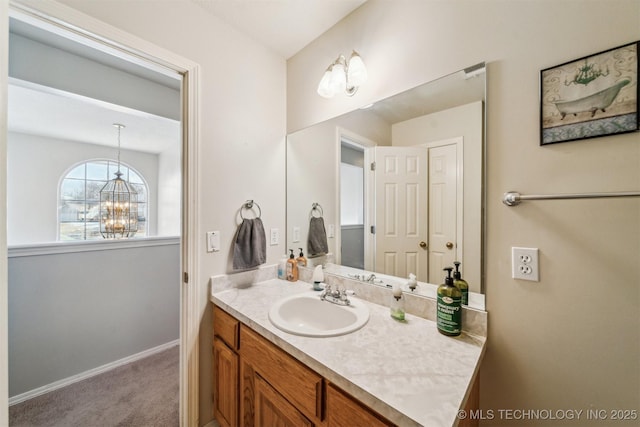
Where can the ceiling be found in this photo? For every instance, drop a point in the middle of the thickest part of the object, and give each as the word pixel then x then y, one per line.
pixel 284 26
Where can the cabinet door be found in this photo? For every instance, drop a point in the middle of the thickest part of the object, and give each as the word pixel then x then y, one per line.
pixel 225 384
pixel 344 411
pixel 271 409
pixel 295 381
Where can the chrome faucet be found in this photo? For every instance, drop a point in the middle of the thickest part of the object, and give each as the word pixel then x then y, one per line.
pixel 336 296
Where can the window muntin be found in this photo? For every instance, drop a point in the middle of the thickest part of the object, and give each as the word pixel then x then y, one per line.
pixel 79 199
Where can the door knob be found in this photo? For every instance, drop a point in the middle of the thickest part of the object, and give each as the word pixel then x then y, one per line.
pixel 423 245
pixel 449 245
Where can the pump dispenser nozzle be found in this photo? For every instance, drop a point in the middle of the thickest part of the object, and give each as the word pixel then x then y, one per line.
pixel 448 280
pixel 456 274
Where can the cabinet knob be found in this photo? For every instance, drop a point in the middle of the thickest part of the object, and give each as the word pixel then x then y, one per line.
pixel 423 245
pixel 449 245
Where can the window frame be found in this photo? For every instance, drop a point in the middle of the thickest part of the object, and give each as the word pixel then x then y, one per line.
pixel 99 160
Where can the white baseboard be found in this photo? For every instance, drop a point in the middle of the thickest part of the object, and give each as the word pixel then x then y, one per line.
pixel 90 373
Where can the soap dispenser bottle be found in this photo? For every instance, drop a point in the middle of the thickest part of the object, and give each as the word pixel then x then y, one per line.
pixel 292 268
pixel 282 267
pixel 449 309
pixel 412 284
pixel 460 283
pixel 302 261
pixel 318 277
pixel 397 303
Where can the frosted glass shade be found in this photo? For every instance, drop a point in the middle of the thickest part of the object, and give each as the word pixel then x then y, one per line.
pixel 338 78
pixel 324 88
pixel 357 70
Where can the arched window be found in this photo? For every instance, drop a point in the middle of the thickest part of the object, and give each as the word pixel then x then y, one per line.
pixel 79 199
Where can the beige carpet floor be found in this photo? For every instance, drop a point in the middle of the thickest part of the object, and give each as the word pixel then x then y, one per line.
pixel 143 393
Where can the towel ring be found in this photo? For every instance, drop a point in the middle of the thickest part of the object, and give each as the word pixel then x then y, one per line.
pixel 317 207
pixel 248 206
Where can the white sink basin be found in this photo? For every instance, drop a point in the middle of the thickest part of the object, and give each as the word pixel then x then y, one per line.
pixel 306 314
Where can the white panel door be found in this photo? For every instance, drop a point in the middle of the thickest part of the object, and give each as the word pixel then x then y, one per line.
pixel 443 209
pixel 401 211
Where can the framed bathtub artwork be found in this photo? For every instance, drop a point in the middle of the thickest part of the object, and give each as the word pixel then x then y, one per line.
pixel 590 97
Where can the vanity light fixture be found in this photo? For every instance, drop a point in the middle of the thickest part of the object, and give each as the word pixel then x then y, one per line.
pixel 343 76
pixel 118 205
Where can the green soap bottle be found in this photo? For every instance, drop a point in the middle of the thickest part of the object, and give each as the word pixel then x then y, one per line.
pixel 461 284
pixel 449 309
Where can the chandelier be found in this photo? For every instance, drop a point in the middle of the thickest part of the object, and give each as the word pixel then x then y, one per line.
pixel 118 205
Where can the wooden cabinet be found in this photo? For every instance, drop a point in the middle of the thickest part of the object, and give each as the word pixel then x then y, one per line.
pixel 473 404
pixel 225 393
pixel 272 409
pixel 225 368
pixel 343 410
pixel 293 380
pixel 258 384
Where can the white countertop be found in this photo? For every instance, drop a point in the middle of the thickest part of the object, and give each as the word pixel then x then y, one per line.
pixel 408 372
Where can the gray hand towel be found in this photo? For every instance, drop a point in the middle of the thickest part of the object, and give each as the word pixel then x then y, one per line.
pixel 317 241
pixel 250 249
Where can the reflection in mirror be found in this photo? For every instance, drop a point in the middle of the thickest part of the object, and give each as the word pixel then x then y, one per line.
pixel 400 183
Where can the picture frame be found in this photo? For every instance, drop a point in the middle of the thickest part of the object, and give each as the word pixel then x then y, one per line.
pixel 589 97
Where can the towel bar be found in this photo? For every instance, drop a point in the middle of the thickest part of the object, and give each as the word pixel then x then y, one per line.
pixel 513 198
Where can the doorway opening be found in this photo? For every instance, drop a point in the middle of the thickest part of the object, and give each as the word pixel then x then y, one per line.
pixel 171 178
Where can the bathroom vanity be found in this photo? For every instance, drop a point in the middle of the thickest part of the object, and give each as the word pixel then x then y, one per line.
pixel 385 373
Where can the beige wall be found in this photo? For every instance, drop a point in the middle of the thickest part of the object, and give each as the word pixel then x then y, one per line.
pixel 571 341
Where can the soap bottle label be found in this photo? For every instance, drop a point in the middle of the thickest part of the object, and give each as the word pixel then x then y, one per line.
pixel 465 296
pixel 449 315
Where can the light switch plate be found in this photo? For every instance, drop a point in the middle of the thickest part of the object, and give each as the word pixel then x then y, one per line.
pixel 213 241
pixel 296 234
pixel 331 232
pixel 275 236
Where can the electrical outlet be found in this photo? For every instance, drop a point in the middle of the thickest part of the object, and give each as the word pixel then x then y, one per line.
pixel 524 264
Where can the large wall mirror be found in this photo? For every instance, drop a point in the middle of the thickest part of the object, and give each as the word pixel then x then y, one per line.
pixel 398 184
